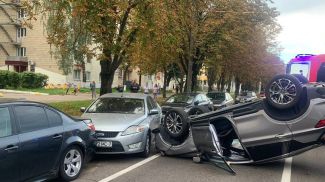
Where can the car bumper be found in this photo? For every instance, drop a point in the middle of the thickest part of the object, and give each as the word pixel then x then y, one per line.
pixel 121 144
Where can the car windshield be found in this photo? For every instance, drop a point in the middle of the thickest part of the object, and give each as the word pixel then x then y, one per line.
pixel 117 105
pixel 216 96
pixel 181 99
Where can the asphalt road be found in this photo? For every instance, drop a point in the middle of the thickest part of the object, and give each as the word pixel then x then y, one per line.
pixel 307 167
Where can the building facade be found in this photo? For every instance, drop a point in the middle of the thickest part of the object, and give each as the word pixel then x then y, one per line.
pixel 25 49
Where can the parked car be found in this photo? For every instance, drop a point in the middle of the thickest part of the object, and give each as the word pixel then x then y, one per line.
pixel 124 123
pixel 191 104
pixel 220 99
pixel 290 121
pixel 246 96
pixel 38 142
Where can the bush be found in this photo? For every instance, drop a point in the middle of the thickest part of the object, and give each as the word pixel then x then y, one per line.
pixel 33 80
pixel 14 79
pixel 4 80
pixel 24 80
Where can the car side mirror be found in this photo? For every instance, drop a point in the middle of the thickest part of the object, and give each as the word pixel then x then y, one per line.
pixel 82 109
pixel 196 103
pixel 153 112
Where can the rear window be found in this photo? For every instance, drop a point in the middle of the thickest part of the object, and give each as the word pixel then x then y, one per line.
pixel 216 96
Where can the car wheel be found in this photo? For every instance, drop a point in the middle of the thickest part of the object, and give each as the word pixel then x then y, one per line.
pixel 147 147
pixel 301 78
pixel 283 91
pixel 175 123
pixel 71 163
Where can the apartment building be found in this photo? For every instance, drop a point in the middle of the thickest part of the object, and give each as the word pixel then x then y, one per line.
pixel 25 49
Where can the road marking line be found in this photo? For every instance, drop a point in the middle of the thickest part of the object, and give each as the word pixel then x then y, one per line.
pixel 126 170
pixel 286 175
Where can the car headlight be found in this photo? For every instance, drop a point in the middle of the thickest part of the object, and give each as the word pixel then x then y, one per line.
pixel 133 129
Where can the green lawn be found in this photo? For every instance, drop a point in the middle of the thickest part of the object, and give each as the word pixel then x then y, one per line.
pixel 71 107
pixel 55 91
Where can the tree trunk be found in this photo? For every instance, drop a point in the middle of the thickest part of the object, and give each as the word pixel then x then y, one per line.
pixel 140 78
pixel 107 77
pixel 237 85
pixel 165 83
pixel 211 78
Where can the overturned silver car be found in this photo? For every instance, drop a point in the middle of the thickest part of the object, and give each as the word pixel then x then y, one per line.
pixel 291 120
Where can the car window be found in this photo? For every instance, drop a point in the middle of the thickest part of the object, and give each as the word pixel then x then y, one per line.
pixel 150 106
pixel 198 98
pixel 180 98
pixel 153 103
pixel 118 105
pixel 205 98
pixel 216 96
pixel 54 118
pixel 5 122
pixel 31 118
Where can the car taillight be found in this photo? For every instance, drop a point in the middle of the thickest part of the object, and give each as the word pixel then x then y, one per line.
pixel 320 124
pixel 90 125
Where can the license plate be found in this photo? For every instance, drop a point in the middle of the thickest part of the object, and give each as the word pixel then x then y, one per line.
pixel 104 144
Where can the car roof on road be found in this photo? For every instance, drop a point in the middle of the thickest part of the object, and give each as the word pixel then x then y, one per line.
pixel 9 100
pixel 125 95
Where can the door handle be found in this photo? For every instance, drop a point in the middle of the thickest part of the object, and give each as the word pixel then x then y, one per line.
pixel 57 136
pixel 11 147
pixel 280 136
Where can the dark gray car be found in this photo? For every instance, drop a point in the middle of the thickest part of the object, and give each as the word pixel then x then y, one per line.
pixel 38 142
pixel 220 99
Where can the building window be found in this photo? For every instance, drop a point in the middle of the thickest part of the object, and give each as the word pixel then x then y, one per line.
pixel 22 13
pixel 87 75
pixel 76 74
pixel 21 32
pixel 21 51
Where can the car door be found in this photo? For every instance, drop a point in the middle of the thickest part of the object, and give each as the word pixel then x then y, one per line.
pixel 39 141
pixel 9 147
pixel 263 137
pixel 155 119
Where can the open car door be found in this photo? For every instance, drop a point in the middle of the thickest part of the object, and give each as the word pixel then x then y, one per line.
pixel 210 147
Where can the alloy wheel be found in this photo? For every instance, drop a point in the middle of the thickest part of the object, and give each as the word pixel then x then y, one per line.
pixel 174 123
pixel 283 91
pixel 72 163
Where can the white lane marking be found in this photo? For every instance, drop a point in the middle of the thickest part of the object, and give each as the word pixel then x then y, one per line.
pixel 286 175
pixel 126 170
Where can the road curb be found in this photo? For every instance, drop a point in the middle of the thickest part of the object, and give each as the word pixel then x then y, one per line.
pixel 22 92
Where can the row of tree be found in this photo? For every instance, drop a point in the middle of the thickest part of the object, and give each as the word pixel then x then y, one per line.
pixel 232 39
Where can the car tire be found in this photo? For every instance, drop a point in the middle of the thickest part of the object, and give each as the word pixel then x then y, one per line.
pixel 175 123
pixel 198 110
pixel 283 91
pixel 301 78
pixel 71 163
pixel 147 147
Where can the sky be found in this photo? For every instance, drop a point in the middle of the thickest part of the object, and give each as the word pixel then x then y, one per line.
pixel 303 27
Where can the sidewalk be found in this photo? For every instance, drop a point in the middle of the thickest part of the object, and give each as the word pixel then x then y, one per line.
pixel 48 98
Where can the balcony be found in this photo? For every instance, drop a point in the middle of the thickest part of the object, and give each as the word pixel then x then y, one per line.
pixel 17 60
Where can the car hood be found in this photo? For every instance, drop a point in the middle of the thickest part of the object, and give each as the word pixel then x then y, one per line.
pixel 114 121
